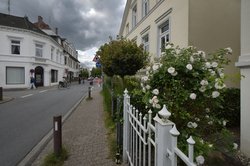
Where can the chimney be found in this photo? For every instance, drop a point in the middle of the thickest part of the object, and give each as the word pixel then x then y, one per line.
pixel 40 18
pixel 56 31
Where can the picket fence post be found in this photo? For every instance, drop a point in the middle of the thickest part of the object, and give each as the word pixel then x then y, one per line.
pixel 126 105
pixel 162 137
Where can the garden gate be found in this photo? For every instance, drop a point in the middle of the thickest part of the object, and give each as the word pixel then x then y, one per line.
pixel 148 144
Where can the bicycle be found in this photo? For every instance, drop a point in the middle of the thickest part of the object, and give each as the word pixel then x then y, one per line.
pixel 63 84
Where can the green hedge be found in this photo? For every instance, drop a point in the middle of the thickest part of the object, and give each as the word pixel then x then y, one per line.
pixel 231 107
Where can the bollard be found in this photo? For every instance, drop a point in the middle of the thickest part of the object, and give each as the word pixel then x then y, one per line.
pixel 89 92
pixel 1 93
pixel 57 123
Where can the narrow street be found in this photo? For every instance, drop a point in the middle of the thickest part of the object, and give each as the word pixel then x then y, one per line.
pixel 26 119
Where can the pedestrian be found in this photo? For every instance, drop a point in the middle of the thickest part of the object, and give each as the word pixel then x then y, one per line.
pixel 32 82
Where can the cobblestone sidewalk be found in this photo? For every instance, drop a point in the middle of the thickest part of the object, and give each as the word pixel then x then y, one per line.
pixel 84 135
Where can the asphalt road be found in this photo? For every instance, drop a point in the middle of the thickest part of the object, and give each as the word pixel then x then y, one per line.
pixel 26 119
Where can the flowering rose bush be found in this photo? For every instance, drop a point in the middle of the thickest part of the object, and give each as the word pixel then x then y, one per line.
pixel 190 84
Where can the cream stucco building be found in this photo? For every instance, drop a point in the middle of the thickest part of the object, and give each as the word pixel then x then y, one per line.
pixel 205 24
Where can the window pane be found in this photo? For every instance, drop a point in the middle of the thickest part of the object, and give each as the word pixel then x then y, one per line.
pixel 15 42
pixel 15 49
pixel 163 44
pixel 54 76
pixel 15 75
pixel 39 50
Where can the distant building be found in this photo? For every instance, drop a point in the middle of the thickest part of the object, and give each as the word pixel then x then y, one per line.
pixel 29 49
pixel 206 24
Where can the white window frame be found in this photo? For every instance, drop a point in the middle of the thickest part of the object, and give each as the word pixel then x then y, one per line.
pixel 134 15
pixel 52 53
pixel 15 43
pixel 145 7
pixel 165 35
pixel 39 49
pixel 145 43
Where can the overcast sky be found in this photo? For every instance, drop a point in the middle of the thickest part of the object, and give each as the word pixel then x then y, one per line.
pixel 86 23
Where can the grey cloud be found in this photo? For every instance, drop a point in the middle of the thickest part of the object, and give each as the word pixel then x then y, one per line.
pixel 68 15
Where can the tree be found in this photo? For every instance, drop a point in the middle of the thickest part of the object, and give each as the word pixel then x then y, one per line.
pixel 122 57
pixel 96 72
pixel 84 73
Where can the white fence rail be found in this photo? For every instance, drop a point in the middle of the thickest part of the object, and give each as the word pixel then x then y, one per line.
pixel 145 144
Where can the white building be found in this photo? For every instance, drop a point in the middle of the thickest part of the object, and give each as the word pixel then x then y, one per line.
pixel 244 65
pixel 206 24
pixel 26 50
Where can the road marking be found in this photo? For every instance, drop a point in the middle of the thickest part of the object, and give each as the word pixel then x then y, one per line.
pixel 42 91
pixel 27 95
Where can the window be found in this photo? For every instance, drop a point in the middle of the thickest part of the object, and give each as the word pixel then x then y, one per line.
pixel 15 75
pixel 145 42
pixel 15 47
pixel 54 76
pixel 57 54
pixel 134 15
pixel 145 7
pixel 52 53
pixel 39 50
pixel 65 60
pixel 127 28
pixel 164 35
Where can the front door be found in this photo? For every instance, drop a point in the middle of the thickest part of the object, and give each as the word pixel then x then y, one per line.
pixel 38 76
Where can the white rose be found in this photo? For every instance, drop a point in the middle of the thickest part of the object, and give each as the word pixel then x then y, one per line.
pixel 229 50
pixel 158 106
pixel 215 94
pixel 147 87
pixel 208 65
pixel 190 125
pixel 150 101
pixel 192 96
pixel 217 85
pixel 189 67
pixel 191 59
pixel 214 64
pixel 197 119
pixel 235 146
pixel 171 70
pixel 204 82
pixel 202 89
pixel 194 125
pixel 148 68
pixel 155 67
pixel 200 160
pixel 168 46
pixel 222 75
pixel 155 91
pixel 202 53
pixel 224 123
pixel 174 74
pixel 210 122
pixel 207 110
pixel 144 78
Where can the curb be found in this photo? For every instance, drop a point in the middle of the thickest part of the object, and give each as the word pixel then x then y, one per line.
pixel 36 150
pixel 6 99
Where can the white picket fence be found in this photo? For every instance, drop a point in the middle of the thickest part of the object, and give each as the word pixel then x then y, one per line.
pixel 147 145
